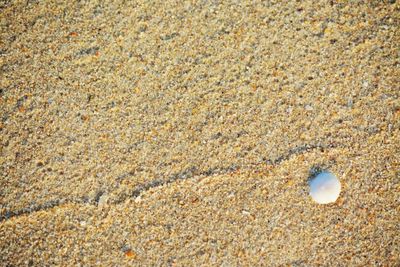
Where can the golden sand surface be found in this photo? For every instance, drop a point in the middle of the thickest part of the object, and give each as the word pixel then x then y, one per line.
pixel 183 133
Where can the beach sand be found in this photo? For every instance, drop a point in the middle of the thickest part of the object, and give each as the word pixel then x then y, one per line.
pixel 163 133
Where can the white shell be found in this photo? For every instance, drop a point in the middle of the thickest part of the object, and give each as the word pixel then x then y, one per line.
pixel 325 188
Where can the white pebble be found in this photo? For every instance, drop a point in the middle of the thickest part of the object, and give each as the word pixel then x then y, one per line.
pixel 325 188
pixel 103 200
pixel 309 108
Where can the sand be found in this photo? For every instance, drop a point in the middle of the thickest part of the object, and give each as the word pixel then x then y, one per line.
pixel 163 133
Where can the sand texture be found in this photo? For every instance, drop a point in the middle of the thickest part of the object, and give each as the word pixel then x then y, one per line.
pixel 183 133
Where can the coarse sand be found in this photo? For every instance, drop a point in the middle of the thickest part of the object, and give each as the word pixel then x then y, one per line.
pixel 184 133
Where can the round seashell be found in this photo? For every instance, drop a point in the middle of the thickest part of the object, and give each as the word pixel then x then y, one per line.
pixel 325 188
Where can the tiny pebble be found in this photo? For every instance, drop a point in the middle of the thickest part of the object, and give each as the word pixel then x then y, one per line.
pixel 103 200
pixel 309 108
